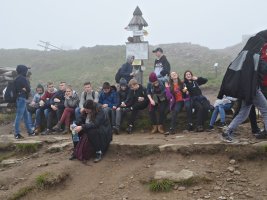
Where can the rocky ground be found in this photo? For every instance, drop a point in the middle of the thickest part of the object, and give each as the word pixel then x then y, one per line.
pixel 223 171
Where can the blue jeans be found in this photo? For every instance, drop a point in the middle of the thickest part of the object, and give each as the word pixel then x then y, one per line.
pixel 38 115
pixel 22 113
pixel 77 113
pixel 220 109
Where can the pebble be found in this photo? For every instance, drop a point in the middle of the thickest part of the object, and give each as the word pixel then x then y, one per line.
pixel 249 195
pixel 217 188
pixel 101 182
pixel 229 179
pixel 231 169
pixel 232 162
pixel 222 198
pixel 43 165
pixel 121 186
pixel 206 197
pixel 237 172
pixel 125 198
pixel 196 188
pixel 181 188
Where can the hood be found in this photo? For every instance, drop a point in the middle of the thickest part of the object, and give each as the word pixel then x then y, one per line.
pixel 22 70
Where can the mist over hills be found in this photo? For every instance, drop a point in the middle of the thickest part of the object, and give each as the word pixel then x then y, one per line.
pixel 100 63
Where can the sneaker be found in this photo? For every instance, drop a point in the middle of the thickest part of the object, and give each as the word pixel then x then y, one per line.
pixel 261 135
pixel 98 157
pixel 32 134
pixel 226 136
pixel 190 127
pixel 222 125
pixel 72 157
pixel 115 130
pixel 211 128
pixel 18 136
pixel 130 129
pixel 171 131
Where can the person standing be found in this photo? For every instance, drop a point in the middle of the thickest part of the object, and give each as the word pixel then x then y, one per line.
pixel 162 66
pixel 126 70
pixel 22 88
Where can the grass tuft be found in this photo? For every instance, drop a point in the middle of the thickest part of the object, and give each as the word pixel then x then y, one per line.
pixel 161 185
pixel 27 148
pixel 21 193
pixel 48 179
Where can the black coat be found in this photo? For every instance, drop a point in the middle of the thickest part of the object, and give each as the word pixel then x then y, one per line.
pixel 193 86
pixel 125 71
pixel 134 94
pixel 102 124
pixel 164 63
pixel 21 82
pixel 241 78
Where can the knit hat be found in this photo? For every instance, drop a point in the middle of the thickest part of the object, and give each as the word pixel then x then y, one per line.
pixel 89 104
pixel 123 82
pixel 153 77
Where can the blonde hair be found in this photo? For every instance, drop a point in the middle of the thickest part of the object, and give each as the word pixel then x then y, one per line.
pixel 132 82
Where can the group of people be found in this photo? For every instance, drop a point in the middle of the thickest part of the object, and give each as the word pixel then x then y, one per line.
pixel 98 114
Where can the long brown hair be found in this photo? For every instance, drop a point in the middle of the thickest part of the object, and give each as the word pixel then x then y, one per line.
pixel 180 83
pixel 185 74
pixel 90 104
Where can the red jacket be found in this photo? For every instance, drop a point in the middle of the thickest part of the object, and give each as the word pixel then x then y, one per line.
pixel 47 95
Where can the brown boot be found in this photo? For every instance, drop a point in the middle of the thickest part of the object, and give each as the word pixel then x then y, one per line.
pixel 37 130
pixel 161 129
pixel 154 129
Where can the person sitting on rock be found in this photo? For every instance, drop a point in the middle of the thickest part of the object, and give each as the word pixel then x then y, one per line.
pixel 94 123
pixel 199 102
pixel 70 104
pixel 88 93
pixel 158 103
pixel 137 100
pixel 178 97
pixel 118 113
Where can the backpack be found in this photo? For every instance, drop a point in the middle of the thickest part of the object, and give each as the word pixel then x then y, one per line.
pixel 118 76
pixel 93 95
pixel 10 95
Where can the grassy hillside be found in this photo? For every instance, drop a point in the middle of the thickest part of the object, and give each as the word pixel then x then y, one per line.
pixel 100 63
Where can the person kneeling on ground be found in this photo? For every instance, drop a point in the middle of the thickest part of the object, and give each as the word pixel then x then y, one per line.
pixel 158 102
pixel 94 122
pixel 220 106
pixel 136 100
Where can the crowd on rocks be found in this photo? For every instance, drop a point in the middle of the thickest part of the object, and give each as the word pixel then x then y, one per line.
pixel 94 116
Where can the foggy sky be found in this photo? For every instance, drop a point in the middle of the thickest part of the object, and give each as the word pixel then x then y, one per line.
pixel 72 24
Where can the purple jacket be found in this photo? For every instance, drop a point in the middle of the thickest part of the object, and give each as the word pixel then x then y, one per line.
pixel 171 98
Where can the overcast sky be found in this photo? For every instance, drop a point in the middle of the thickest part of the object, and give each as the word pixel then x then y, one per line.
pixel 74 23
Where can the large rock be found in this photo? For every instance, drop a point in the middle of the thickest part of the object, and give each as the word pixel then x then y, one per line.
pixel 173 176
pixel 9 162
pixel 58 147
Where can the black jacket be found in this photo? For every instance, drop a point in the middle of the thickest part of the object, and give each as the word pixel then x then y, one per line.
pixel 125 71
pixel 164 63
pixel 193 86
pixel 61 96
pixel 122 96
pixel 134 94
pixel 21 82
pixel 102 124
pixel 241 78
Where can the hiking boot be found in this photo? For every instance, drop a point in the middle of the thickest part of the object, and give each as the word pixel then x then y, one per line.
pixel 200 129
pixel 57 128
pixel 37 130
pixel 18 136
pixel 160 129
pixel 154 129
pixel 130 129
pixel 47 132
pixel 261 135
pixel 256 131
pixel 98 157
pixel 170 132
pixel 190 127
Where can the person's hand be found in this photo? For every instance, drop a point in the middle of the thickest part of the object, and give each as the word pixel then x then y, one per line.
pixel 123 104
pixel 132 74
pixel 152 102
pixel 167 84
pixel 32 103
pixel 104 105
pixel 24 89
pixel 194 78
pixel 78 129
pixel 141 99
pixel 114 107
pixel 118 108
pixel 187 92
pixel 41 103
pixel 56 100
pixel 54 107
pixel 185 89
pixel 81 110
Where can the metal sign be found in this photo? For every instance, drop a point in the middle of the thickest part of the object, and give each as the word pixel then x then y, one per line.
pixel 138 50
